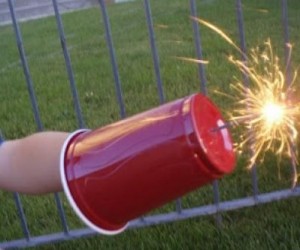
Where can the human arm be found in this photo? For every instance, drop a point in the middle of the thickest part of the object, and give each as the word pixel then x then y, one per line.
pixel 31 165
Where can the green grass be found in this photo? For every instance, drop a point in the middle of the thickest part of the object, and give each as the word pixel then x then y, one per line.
pixel 271 226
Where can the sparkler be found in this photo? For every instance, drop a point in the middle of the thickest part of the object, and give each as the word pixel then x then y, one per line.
pixel 265 107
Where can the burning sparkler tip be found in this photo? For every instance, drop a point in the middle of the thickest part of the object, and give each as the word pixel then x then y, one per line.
pixel 264 105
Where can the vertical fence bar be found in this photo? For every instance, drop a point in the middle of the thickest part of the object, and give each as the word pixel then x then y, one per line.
pixel 203 88
pixel 113 58
pixel 178 205
pixel 288 72
pixel 287 48
pixel 216 192
pixel 61 213
pixel 22 216
pixel 68 65
pixel 155 59
pixel 25 65
pixel 26 71
pixel 35 110
pixel 197 38
pixel 78 111
pixel 240 23
pixel 155 56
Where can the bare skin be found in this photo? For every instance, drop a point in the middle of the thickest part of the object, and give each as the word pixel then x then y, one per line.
pixel 31 165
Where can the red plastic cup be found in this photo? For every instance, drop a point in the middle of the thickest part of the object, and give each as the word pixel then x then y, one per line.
pixel 119 172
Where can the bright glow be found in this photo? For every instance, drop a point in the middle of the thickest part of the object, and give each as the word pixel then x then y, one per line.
pixel 265 105
pixel 273 114
pixel 264 108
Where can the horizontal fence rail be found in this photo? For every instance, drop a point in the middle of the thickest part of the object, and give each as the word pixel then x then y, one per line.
pixel 184 214
pixel 180 213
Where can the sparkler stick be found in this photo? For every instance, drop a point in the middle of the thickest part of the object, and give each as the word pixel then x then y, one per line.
pixel 216 129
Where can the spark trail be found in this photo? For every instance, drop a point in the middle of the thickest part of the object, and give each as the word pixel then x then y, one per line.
pixel 266 107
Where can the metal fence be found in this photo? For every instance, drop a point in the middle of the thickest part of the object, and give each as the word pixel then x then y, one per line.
pixel 180 213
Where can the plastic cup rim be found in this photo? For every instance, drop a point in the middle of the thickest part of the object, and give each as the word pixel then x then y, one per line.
pixel 69 196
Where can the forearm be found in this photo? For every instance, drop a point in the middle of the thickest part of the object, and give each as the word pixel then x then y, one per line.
pixel 31 165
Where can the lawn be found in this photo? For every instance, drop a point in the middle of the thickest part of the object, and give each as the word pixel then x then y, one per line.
pixel 271 226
